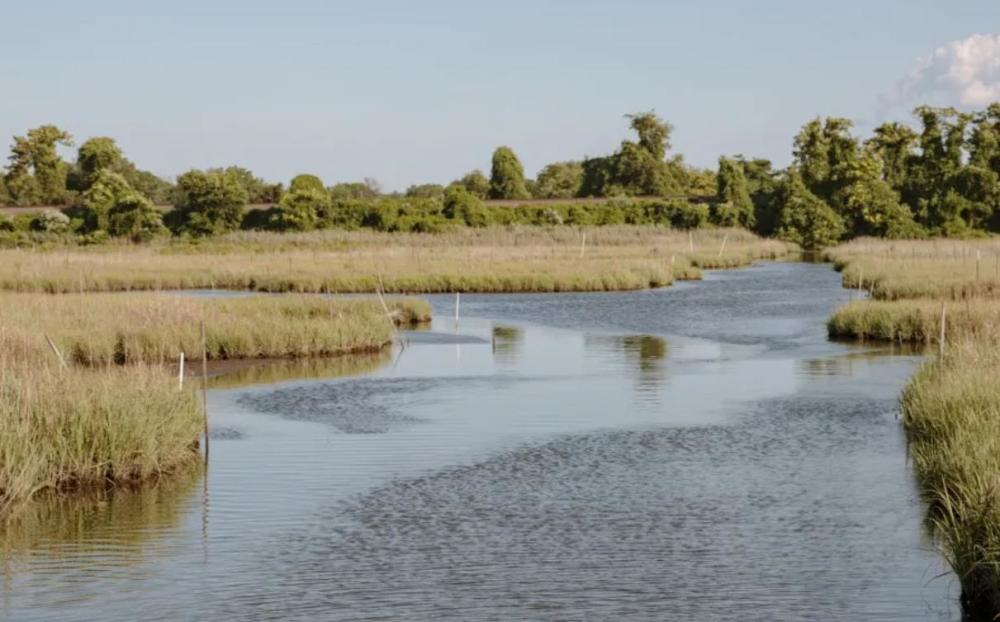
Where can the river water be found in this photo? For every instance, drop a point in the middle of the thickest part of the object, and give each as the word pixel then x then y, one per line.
pixel 700 452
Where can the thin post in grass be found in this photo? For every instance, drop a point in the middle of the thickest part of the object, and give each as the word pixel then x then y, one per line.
pixel 690 242
pixel 388 315
pixel 583 243
pixel 941 337
pixel 979 257
pixel 180 374
pixel 55 350
pixel 204 384
pixel 861 280
pixel 722 249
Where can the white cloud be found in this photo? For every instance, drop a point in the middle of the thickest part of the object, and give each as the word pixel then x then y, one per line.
pixel 966 72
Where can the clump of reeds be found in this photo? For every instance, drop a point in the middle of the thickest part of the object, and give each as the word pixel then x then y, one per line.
pixel 951 411
pixel 910 321
pixel 103 329
pixel 70 428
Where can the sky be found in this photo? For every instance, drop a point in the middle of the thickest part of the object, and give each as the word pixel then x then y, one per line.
pixel 412 92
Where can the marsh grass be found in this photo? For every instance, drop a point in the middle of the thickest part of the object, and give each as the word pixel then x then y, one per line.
pixel 951 411
pixel 896 270
pixel 510 259
pixel 951 407
pixel 69 429
pixel 114 414
pixel 154 328
pixel 910 321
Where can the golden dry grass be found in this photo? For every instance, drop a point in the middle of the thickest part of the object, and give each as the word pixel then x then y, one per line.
pixel 512 259
pixel 125 328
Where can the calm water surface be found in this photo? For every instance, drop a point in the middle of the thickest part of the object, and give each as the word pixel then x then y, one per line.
pixel 695 453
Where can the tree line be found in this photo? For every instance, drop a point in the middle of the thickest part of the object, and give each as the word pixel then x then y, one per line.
pixel 940 179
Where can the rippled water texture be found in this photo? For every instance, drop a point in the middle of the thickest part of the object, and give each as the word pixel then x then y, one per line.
pixel 700 452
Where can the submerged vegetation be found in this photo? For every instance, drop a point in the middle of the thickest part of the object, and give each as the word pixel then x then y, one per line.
pixel 951 408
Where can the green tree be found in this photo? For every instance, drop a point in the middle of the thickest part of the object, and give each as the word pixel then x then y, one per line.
pixel 654 133
pixel 96 155
pixel 136 218
pixel 823 152
pixel 300 210
pixel 560 180
pixel 463 206
pixel 353 190
pixel 476 183
pixel 306 181
pixel 36 173
pixel 107 189
pixel 870 205
pixel 50 170
pixel 425 191
pixel 208 202
pixel 507 176
pixel 806 219
pixel 893 142
pixel 736 207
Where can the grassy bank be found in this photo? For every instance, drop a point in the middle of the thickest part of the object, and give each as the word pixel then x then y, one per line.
pixel 910 321
pixel 509 259
pixel 68 429
pixel 114 413
pixel 951 410
pixel 128 328
pixel 951 407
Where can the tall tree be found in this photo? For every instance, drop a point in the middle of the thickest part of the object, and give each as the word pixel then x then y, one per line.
pixel 507 176
pixel 806 219
pixel 96 155
pixel 36 173
pixel 893 142
pixel 735 208
pixel 654 133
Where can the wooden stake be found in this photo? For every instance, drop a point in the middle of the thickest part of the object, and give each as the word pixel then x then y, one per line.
pixel 52 344
pixel 204 384
pixel 979 257
pixel 725 239
pixel 180 374
pixel 690 242
pixel 944 318
pixel 583 243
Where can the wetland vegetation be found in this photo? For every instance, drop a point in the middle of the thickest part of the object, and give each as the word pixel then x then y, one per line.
pixel 951 407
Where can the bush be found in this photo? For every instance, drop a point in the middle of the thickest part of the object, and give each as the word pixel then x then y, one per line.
pixel 50 221
pixel 135 218
pixel 299 210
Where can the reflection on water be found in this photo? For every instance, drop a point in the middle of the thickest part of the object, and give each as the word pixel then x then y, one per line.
pixel 555 459
pixel 644 357
pixel 109 528
pixel 507 342
pixel 235 374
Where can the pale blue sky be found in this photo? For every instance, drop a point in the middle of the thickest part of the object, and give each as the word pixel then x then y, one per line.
pixel 409 92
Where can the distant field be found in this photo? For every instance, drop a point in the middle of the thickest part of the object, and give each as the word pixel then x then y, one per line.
pixel 509 259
